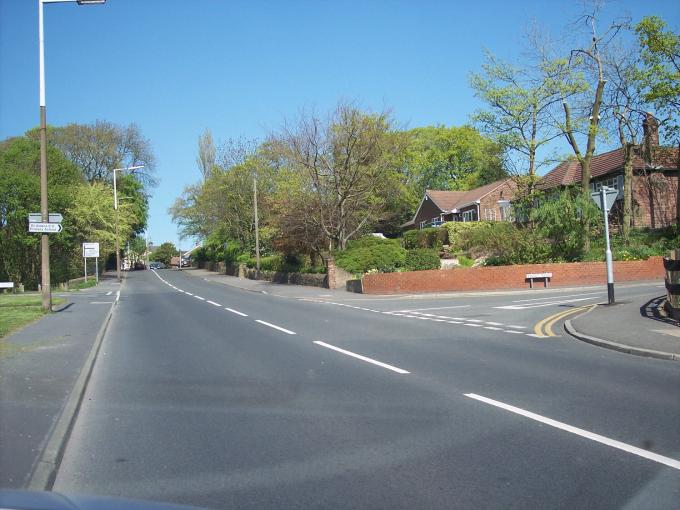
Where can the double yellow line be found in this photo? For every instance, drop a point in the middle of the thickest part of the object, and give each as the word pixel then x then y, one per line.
pixel 543 327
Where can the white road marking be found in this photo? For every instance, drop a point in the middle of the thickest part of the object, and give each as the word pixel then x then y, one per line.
pixel 534 335
pixel 474 320
pixel 493 328
pixel 472 325
pixel 276 327
pixel 667 461
pixel 213 303
pixel 362 358
pixel 512 331
pixel 436 308
pixel 188 293
pixel 552 298
pixel 109 293
pixel 540 305
pixel 236 312
pixel 199 297
pixel 515 327
pixel 494 323
pixel 117 295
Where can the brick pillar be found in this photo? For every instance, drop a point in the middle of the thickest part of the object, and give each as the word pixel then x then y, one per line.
pixel 330 272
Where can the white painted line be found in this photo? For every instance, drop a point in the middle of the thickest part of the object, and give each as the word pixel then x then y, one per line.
pixel 199 297
pixel 117 295
pixel 216 304
pixel 439 320
pixel 276 327
pixel 472 325
pixel 188 293
pixel 362 358
pixel 109 293
pixel 540 305
pixel 453 322
pixel 534 335
pixel 473 320
pixel 493 328
pixel 552 298
pixel 675 464
pixel 515 327
pixel 512 331
pixel 494 323
pixel 236 312
pixel 436 308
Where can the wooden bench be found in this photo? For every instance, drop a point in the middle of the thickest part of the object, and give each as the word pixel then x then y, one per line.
pixel 6 285
pixel 538 276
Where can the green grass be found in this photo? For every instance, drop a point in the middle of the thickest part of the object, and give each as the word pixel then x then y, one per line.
pixel 83 285
pixel 17 311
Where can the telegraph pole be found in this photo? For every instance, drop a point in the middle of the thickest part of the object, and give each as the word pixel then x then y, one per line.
pixel 257 228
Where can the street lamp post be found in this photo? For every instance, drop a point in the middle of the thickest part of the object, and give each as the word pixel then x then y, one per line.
pixel 115 207
pixel 44 210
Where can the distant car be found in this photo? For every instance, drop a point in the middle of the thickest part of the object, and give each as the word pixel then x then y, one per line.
pixel 139 266
pixel 156 265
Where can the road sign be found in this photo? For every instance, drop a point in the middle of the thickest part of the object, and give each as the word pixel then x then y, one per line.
pixel 90 250
pixel 610 197
pixel 37 218
pixel 45 228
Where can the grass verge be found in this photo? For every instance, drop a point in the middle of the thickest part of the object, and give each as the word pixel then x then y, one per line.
pixel 17 311
pixel 83 285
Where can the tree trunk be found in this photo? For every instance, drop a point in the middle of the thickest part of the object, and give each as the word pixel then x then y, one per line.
pixel 627 191
pixel 677 194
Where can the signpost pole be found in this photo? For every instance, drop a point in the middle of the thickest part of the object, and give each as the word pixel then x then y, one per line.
pixel 96 270
pixel 608 252
pixel 85 259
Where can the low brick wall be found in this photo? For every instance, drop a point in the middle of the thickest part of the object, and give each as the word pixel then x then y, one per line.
pixel 509 277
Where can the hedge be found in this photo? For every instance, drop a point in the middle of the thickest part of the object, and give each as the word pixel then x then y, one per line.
pixel 421 259
pixel 371 253
pixel 432 237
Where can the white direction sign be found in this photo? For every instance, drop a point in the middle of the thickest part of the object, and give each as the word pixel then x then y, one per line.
pixel 90 250
pixel 609 196
pixel 37 218
pixel 44 228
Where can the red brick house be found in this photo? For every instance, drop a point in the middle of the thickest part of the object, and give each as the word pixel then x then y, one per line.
pixel 489 202
pixel 655 179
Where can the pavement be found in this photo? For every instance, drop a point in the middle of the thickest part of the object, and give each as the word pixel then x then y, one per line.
pixel 636 326
pixel 39 366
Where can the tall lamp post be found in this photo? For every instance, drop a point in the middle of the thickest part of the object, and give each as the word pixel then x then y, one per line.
pixel 115 207
pixel 44 211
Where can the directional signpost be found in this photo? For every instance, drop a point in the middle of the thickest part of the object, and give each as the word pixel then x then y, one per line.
pixel 91 250
pixel 52 226
pixel 605 199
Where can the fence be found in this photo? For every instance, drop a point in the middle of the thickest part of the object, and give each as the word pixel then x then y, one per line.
pixel 672 266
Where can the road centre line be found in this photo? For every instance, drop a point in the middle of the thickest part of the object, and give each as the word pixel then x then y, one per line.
pixel 215 304
pixel 199 297
pixel 558 297
pixel 188 293
pixel 109 293
pixel 235 311
pixel 276 327
pixel 362 358
pixel 675 464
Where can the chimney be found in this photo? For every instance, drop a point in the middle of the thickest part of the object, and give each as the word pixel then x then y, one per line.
pixel 650 128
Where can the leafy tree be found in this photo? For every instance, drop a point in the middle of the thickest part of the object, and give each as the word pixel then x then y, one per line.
pixel 347 162
pixel 519 103
pixel 206 154
pixel 165 252
pixel 455 158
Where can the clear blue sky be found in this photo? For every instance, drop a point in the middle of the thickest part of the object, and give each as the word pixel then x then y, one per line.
pixel 175 67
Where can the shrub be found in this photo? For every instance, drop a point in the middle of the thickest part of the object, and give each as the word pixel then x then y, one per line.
pixel 504 243
pixel 270 263
pixel 362 255
pixel 421 259
pixel 455 229
pixel 465 261
pixel 433 237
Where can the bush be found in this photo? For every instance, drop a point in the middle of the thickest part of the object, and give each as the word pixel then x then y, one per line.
pixel 465 261
pixel 455 229
pixel 505 244
pixel 433 237
pixel 421 259
pixel 371 253
pixel 270 263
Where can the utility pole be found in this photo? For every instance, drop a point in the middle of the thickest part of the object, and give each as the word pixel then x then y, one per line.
pixel 257 228
pixel 46 287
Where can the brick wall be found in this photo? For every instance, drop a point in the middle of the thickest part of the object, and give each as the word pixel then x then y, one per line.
pixel 509 277
pixel 488 205
pixel 654 197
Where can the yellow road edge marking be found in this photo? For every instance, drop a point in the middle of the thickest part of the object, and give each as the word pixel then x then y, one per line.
pixel 543 327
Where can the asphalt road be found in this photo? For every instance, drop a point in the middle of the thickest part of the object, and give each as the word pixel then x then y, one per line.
pixel 218 397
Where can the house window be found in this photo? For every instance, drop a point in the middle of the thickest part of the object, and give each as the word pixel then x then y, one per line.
pixel 469 215
pixel 615 182
pixel 490 214
pixel 505 210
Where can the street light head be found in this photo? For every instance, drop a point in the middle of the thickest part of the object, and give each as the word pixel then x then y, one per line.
pixel 90 2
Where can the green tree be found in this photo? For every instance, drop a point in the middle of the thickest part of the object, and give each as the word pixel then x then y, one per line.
pixel 165 252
